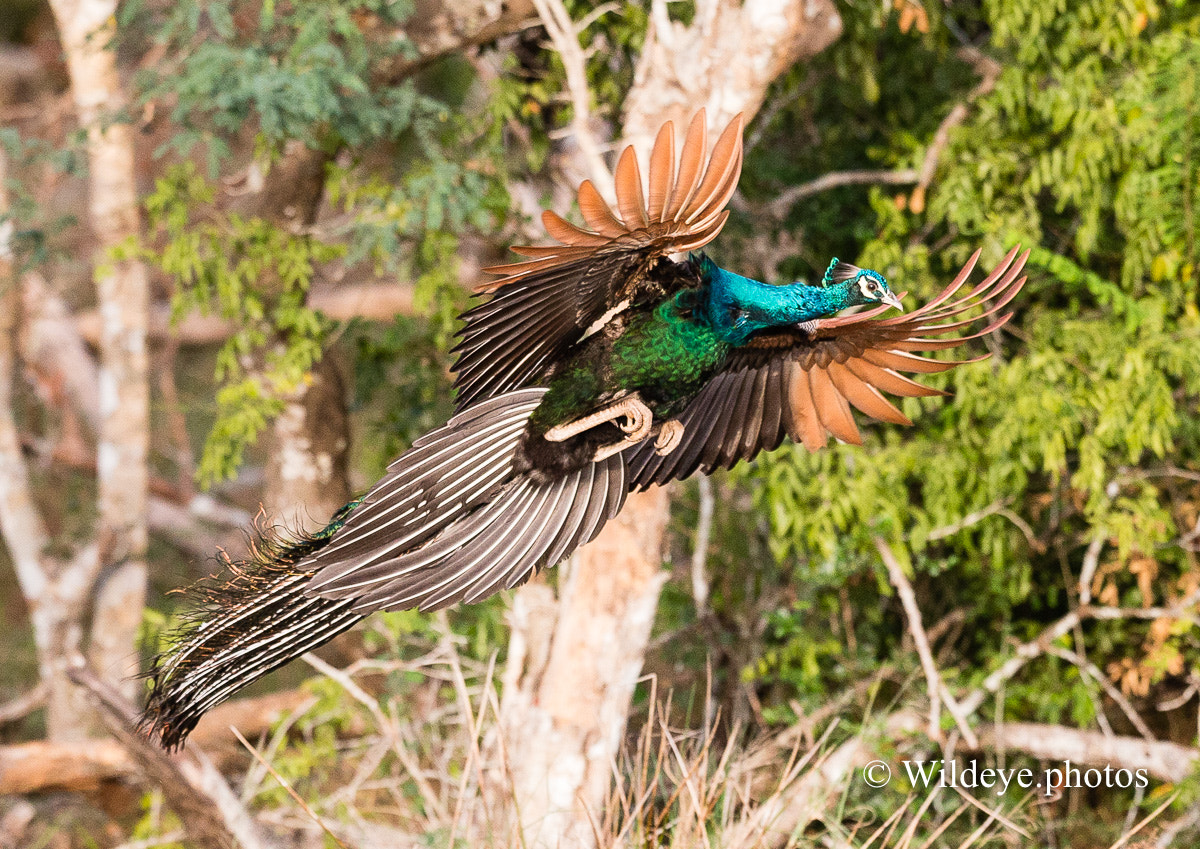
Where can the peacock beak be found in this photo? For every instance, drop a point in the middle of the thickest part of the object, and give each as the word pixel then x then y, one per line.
pixel 892 301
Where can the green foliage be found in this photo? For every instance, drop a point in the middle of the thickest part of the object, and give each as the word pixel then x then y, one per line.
pixel 33 227
pixel 401 382
pixel 255 274
pixel 1083 423
pixel 406 176
pixel 306 71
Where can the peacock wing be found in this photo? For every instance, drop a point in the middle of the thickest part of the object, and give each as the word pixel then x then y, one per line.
pixel 453 521
pixel 546 303
pixel 803 385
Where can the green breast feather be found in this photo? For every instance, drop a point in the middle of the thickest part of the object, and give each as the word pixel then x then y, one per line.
pixel 667 355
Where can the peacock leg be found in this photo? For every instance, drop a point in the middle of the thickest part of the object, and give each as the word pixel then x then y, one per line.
pixel 669 437
pixel 637 424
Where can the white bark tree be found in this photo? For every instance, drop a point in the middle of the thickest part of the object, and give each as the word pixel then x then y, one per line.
pixel 105 578
pixel 575 660
pixel 86 28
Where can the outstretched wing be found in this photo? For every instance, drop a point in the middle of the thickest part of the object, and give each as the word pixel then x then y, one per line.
pixel 800 385
pixel 545 304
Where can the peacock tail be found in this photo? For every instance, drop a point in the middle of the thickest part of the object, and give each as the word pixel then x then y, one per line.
pixel 243 623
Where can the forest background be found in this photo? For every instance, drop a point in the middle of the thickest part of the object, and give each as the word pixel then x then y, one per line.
pixel 233 239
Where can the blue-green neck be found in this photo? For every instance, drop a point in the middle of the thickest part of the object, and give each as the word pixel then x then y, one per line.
pixel 737 307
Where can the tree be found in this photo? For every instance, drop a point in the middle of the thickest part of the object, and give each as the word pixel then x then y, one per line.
pixel 1014 574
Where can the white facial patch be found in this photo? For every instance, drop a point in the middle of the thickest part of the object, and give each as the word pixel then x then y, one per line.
pixel 864 284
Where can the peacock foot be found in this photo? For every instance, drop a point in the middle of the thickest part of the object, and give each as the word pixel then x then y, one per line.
pixel 669 437
pixel 638 420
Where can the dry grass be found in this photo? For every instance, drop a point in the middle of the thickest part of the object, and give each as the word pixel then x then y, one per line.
pixel 425 765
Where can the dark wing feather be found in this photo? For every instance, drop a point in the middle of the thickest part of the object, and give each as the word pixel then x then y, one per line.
pixel 453 521
pixel 790 382
pixel 545 304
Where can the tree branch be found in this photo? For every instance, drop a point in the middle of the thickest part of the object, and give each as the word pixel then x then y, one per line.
pixel 1057 743
pixel 20 522
pixel 191 785
pixel 938 691
pixel 372 301
pixel 1088 668
pixel 562 33
pixel 779 207
pixel 989 71
pixel 1026 652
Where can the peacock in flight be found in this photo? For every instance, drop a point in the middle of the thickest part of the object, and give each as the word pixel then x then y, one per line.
pixel 598 366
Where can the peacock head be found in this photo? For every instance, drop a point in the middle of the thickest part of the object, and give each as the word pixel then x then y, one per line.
pixel 863 286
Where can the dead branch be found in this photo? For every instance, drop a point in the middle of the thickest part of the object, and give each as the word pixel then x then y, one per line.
pixel 52 350
pixel 1090 669
pixel 1058 744
pixel 563 34
pixel 989 72
pixel 24 704
pixel 372 301
pixel 438 28
pixel 973 518
pixel 784 201
pixel 1036 647
pixel 193 529
pixel 938 691
pixel 85 766
pixel 43 766
pixel 807 797
pixel 191 785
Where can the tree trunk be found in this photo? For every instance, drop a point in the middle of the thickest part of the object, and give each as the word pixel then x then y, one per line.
pixel 572 669
pixel 86 28
pixel 562 725
pixel 307 479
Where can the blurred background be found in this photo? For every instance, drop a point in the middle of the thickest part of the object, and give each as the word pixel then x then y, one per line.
pixel 234 237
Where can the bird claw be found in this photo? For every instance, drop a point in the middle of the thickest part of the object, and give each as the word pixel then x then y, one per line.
pixel 669 437
pixel 638 420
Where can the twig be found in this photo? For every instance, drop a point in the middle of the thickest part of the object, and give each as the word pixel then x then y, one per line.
pixel 385 725
pixel 938 691
pixel 24 704
pixel 1167 836
pixel 1038 646
pixel 191 785
pixel 565 38
pixel 999 816
pixel 1091 561
pixel 989 72
pixel 1153 815
pixel 704 522
pixel 834 179
pixel 1115 694
pixel 287 787
pixel 967 521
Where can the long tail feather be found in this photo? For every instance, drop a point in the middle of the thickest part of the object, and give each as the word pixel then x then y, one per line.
pixel 254 618
pixel 454 519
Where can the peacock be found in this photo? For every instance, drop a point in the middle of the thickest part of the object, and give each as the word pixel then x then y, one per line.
pixel 620 358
